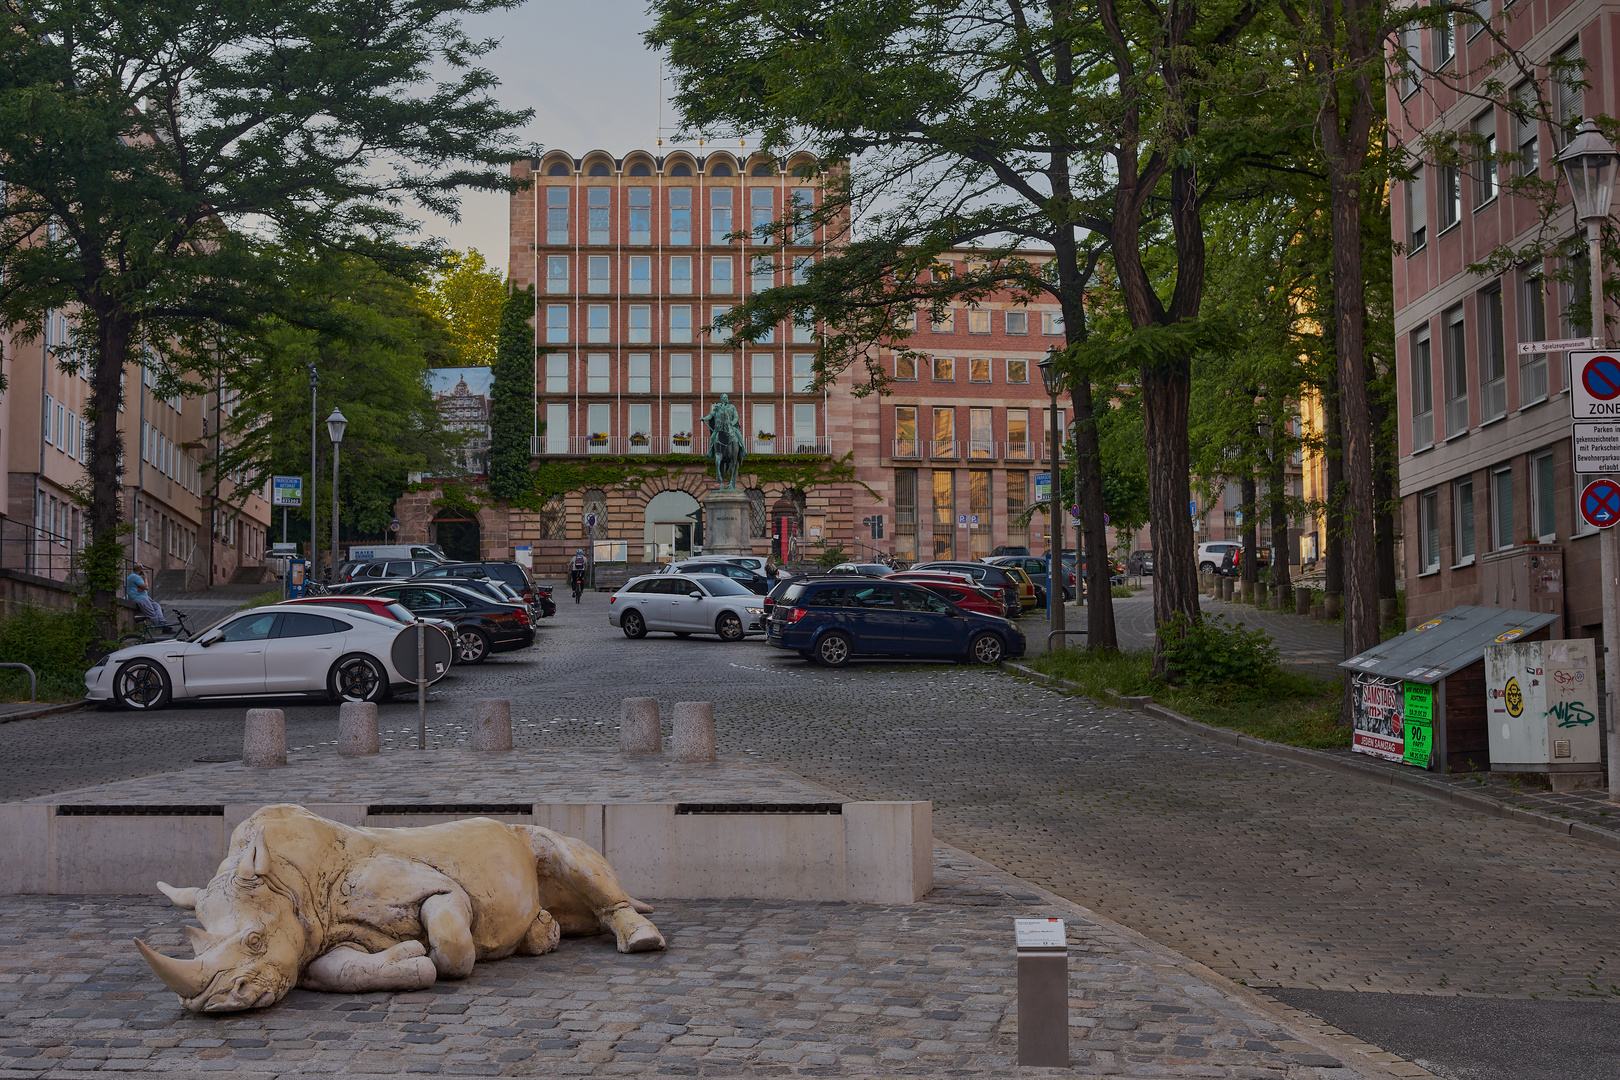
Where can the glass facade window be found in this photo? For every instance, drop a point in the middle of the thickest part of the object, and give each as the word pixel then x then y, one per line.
pixel 905 367
pixel 1417 211
pixel 598 377
pixel 1018 371
pixel 1527 129
pixel 599 419
pixel 1485 184
pixel 556 215
pixel 1052 323
pixel 764 373
pixel 598 323
pixel 556 428
pixel 1544 523
pixel 680 216
pixel 1502 508
pixel 979 369
pixel 905 514
pixel 720 280
pixel 556 273
pixel 1018 445
pixel 979 535
pixel 556 324
pixel 641 273
pixel 761 212
pixel 981 435
pixel 804 333
pixel 801 269
pixel 556 374
pixel 804 201
pixel 600 208
pixel 680 323
pixel 640 375
pixel 1533 385
pixel 944 432
pixel 764 433
pixel 598 274
pixel 640 428
pixel 1017 322
pixel 1462 518
pixel 944 514
pixel 978 321
pixel 1017 503
pixel 944 322
pixel 680 274
pixel 762 275
pixel 1492 356
pixel 640 324
pixel 720 215
pixel 720 381
pixel 719 333
pixel 1429 530
pixel 804 372
pixel 944 369
pixel 680 373
pixel 804 429
pixel 640 203
pixel 905 431
pixel 1455 357
pixel 680 425
pixel 1422 391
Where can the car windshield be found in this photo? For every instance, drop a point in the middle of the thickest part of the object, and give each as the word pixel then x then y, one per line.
pixel 724 586
pixel 401 612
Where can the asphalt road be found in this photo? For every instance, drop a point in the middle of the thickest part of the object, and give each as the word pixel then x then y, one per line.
pixel 1468 942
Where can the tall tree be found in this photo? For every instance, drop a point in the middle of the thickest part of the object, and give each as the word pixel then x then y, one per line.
pixel 470 296
pixel 152 154
pixel 511 397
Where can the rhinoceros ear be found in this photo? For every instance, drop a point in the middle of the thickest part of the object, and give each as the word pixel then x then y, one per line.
pixel 255 861
pixel 201 940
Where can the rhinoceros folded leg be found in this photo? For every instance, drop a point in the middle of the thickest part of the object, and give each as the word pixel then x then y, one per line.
pixel 542 936
pixel 635 932
pixel 186 898
pixel 583 893
pixel 447 917
pixel 349 969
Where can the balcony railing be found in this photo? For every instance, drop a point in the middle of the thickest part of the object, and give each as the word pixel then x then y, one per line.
pixel 1456 416
pixel 945 448
pixel 981 450
pixel 907 448
pixel 582 446
pixel 812 444
pixel 1021 451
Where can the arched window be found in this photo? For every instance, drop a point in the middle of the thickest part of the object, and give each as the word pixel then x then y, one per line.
pixel 595 503
pixel 599 169
pixel 759 522
pixel 558 169
pixel 681 170
pixel 640 169
pixel 763 170
pixel 721 169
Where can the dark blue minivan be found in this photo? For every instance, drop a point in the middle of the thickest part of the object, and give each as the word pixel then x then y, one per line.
pixel 832 620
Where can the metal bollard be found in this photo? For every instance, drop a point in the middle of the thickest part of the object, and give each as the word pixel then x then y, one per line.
pixel 357 729
pixel 694 731
pixel 264 745
pixel 638 726
pixel 1043 992
pixel 493 728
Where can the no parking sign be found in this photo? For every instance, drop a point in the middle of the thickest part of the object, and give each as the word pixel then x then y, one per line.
pixel 1600 503
pixel 1595 386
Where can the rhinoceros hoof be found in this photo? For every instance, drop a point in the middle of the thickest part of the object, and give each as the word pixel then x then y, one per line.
pixel 635 933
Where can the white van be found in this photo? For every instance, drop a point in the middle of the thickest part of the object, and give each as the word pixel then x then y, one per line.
pixel 398 551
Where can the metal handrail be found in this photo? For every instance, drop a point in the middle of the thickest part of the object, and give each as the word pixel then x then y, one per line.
pixel 1055 633
pixel 33 680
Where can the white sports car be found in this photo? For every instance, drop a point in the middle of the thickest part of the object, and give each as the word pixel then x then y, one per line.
pixel 282 649
pixel 687 604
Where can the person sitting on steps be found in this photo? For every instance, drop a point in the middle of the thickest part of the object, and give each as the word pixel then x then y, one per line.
pixel 135 590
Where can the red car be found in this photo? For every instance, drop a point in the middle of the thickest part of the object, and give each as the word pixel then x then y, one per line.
pixel 378 605
pixel 967 597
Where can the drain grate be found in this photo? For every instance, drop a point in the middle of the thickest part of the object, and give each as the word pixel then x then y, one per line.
pixel 115 810
pixel 451 808
pixel 759 808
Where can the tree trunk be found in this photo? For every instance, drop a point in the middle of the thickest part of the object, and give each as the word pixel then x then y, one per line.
pixel 103 559
pixel 1101 635
pixel 1383 497
pixel 1251 568
pixel 1332 538
pixel 1165 395
pixel 1280 547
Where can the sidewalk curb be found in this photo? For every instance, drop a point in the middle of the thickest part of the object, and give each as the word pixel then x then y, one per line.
pixel 44 710
pixel 1417 785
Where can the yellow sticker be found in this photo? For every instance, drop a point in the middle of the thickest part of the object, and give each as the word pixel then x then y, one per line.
pixel 1514 698
pixel 1510 635
pixel 1430 625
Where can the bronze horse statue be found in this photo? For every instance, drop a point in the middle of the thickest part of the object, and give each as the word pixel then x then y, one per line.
pixel 726 448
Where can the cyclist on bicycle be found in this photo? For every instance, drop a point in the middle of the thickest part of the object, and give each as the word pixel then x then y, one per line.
pixel 576 573
pixel 136 591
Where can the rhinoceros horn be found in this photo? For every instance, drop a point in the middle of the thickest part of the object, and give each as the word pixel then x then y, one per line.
pixel 188 978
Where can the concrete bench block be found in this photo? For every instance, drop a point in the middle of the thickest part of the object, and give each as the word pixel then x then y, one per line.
pixel 888 851
pixel 357 729
pixel 638 726
pixel 265 743
pixel 493 728
pixel 657 852
pixel 694 731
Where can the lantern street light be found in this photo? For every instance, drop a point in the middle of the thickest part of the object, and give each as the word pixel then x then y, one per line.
pixel 1052 379
pixel 1589 165
pixel 334 428
pixel 314 476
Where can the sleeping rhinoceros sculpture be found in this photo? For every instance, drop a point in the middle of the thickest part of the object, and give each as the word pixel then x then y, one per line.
pixel 306 901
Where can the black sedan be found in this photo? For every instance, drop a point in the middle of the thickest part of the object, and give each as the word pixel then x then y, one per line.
pixel 482 625
pixel 755 583
pixel 512 574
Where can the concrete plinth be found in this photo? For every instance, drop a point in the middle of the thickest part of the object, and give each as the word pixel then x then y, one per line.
pixel 1260 594
pixel 694 731
pixel 638 726
pixel 264 744
pixel 1332 605
pixel 1302 600
pixel 1226 589
pixel 357 729
pixel 492 730
pixel 727 523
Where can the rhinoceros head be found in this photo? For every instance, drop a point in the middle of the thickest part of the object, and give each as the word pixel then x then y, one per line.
pixel 250 948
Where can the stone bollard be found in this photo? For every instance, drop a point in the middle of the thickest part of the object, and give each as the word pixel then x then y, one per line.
pixel 1226 589
pixel 265 744
pixel 1318 612
pixel 357 729
pixel 1332 605
pixel 493 728
pixel 638 726
pixel 1302 600
pixel 1386 612
pixel 1260 594
pixel 1247 595
pixel 694 731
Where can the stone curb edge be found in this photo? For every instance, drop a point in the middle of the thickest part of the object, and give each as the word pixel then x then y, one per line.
pixel 1484 804
pixel 1314 1031
pixel 44 710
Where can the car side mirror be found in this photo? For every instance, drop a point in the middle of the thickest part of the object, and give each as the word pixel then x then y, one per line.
pixel 694 594
pixel 210 640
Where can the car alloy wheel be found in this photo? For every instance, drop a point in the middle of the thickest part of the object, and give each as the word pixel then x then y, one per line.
pixel 986 648
pixel 141 684
pixel 357 678
pixel 729 627
pixel 1206 568
pixel 833 650
pixel 633 625
pixel 472 646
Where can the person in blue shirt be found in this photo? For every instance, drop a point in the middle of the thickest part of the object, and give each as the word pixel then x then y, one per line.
pixel 135 590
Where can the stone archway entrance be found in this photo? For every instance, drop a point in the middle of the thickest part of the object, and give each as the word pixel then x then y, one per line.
pixel 457 535
pixel 671 526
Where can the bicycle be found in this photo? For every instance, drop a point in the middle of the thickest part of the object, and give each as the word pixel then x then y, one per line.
pixel 146 631
pixel 578 578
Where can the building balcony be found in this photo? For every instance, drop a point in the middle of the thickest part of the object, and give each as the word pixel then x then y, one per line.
pixel 1020 451
pixel 948 449
pixel 981 451
pixel 907 448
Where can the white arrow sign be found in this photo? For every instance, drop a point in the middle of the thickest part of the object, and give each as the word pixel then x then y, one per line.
pixel 1530 348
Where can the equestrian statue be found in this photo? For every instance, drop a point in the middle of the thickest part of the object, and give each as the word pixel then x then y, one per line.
pixel 726 447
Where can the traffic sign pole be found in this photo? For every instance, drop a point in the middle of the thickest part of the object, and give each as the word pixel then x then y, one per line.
pixel 1592 381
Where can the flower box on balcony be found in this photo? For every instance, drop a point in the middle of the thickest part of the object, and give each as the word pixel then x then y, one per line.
pixel 639 439
pixel 682 440
pixel 598 440
pixel 765 436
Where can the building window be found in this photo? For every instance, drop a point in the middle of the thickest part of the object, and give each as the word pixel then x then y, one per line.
pixel 720 274
pixel 804 373
pixel 979 517
pixel 944 514
pixel 944 322
pixel 598 379
pixel 1462 520
pixel 804 429
pixel 944 369
pixel 680 373
pixel 761 211
pixel 1052 323
pixel 640 215
pixel 1018 371
pixel 801 269
pixel 905 322
pixel 680 274
pixel 1526 127
pixel 981 435
pixel 717 332
pixel 680 425
pixel 50 406
pixel 905 367
pixel 680 217
pixel 764 373
pixel 597 325
pixel 804 203
pixel 720 215
pixel 1445 42
pixel 556 273
pixel 1417 212
pixel 905 514
pixel 640 376
pixel 944 432
pixel 764 425
pixel 1492 356
pixel 1569 93
pixel 1455 358
pixel 598 274
pixel 1429 531
pixel 905 431
pixel 680 323
pixel 1422 392
pixel 1018 322
pixel 1543 522
pixel 556 324
pixel 762 274
pixel 1017 503
pixel 1409 60
pixel 804 333
pixel 1018 445
pixel 978 321
pixel 640 428
pixel 600 208
pixel 1485 159
pixel 599 421
pixel 556 374
pixel 1450 197
pixel 640 324
pixel 641 273
pixel 1482 15
pixel 765 336
pixel 720 373
pixel 979 369
pixel 556 215
pixel 1532 327
pixel 1501 508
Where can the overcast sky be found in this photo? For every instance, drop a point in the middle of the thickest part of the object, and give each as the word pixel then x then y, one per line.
pixel 591 82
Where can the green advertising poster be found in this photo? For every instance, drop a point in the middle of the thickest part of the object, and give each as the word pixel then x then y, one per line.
pixel 1419 726
pixel 1419 703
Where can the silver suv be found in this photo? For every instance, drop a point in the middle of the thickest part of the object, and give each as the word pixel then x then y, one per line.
pixel 1212 553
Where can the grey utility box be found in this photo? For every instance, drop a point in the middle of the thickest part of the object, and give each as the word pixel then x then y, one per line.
pixel 1529 577
pixel 1542 701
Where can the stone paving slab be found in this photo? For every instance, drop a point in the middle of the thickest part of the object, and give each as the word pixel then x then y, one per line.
pixel 745 989
pixel 563 774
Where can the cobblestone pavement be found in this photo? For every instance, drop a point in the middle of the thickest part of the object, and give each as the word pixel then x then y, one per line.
pixel 745 988
pixel 1266 871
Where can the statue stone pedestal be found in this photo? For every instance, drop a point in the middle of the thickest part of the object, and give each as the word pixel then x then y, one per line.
pixel 727 516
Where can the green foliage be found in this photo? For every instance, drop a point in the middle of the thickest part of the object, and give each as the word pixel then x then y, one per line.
pixel 510 421
pixel 469 297
pixel 556 476
pixel 55 642
pixel 1121 592
pixel 459 499
pixel 1213 652
pixel 832 555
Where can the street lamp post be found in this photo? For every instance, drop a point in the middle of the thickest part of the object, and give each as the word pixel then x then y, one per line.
pixel 314 540
pixel 1052 378
pixel 1589 166
pixel 334 428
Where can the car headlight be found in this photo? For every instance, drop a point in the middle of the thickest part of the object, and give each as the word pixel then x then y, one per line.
pixel 102 662
pixel 756 611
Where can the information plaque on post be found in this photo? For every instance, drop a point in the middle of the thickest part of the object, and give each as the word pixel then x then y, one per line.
pixel 1043 992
